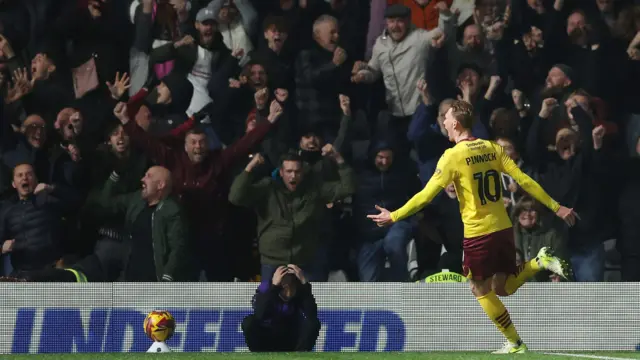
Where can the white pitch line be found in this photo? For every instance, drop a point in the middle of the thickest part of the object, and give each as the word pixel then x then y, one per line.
pixel 590 356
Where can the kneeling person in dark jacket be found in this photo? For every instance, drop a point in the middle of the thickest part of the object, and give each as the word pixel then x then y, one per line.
pixel 285 314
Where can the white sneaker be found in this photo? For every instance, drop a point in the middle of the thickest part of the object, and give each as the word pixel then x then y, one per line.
pixel 509 348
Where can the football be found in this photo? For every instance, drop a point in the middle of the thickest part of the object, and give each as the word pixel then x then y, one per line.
pixel 159 325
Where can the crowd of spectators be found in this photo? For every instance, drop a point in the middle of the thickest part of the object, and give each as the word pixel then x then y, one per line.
pixel 198 140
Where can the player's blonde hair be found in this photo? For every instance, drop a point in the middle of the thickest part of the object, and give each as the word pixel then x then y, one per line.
pixel 462 111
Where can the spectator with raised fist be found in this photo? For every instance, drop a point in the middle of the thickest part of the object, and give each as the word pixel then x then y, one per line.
pixel 199 175
pixel 291 200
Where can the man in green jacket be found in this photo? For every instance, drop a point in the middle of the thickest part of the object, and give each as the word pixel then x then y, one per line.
pixel 289 210
pixel 156 245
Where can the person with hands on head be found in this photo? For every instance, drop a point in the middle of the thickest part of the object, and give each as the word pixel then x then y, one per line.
pixel 474 166
pixel 285 314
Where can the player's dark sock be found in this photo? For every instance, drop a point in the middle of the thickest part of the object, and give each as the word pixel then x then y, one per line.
pixel 494 308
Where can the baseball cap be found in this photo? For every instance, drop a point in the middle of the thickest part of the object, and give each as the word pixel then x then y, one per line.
pixel 205 14
pixel 397 11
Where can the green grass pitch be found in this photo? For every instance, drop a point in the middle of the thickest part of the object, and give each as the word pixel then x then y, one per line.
pixel 329 356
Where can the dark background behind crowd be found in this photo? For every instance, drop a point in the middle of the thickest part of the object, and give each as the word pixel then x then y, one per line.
pixel 177 140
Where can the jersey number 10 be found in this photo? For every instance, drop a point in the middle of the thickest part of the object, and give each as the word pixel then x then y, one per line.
pixel 484 186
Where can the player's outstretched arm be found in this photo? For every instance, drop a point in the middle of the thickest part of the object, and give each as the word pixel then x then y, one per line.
pixel 534 189
pixel 568 215
pixel 383 218
pixel 415 204
pixel 442 177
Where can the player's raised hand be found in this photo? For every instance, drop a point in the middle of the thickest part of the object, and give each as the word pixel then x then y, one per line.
pixel 382 219
pixel 568 215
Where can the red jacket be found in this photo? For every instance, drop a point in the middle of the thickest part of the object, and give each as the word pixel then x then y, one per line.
pixel 425 17
pixel 202 188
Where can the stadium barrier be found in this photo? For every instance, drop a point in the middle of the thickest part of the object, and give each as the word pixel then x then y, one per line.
pixel 63 318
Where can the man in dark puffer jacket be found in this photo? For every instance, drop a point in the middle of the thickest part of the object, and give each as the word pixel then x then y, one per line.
pixel 31 224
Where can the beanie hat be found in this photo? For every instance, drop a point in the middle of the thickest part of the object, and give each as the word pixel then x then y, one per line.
pixel 181 91
pixel 567 70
